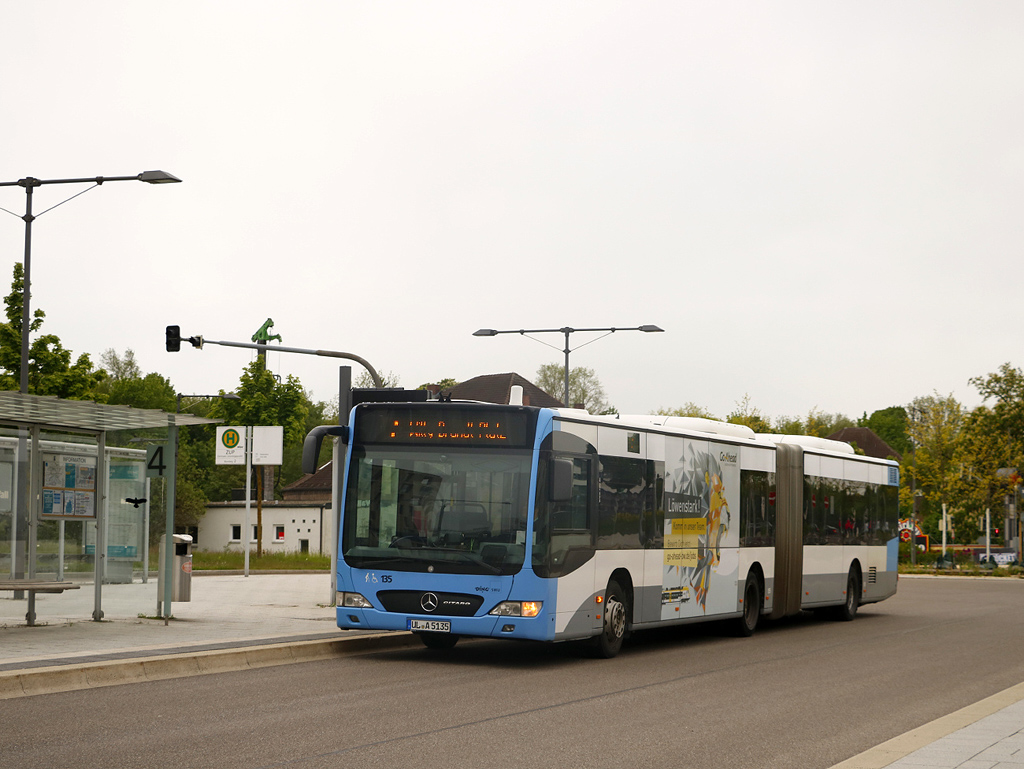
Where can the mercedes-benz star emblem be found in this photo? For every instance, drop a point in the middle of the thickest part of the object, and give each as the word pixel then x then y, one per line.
pixel 428 602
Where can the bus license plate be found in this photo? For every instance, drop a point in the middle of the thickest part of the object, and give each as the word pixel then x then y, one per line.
pixel 429 625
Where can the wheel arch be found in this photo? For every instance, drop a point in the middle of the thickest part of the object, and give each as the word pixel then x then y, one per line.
pixel 625 581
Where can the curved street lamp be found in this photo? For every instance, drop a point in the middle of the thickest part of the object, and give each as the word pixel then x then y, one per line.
pixel 30 183
pixel 567 330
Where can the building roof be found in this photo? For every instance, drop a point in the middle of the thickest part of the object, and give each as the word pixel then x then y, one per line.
pixel 310 485
pixel 867 441
pixel 495 388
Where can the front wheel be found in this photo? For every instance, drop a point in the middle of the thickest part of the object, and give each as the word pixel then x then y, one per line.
pixel 747 623
pixel 615 620
pixel 438 640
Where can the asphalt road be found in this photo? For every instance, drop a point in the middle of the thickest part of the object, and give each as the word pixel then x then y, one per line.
pixel 806 692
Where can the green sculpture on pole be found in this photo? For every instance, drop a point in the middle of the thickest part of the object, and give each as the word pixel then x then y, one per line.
pixel 264 335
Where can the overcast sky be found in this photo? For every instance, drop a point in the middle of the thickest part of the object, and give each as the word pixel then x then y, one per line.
pixel 820 202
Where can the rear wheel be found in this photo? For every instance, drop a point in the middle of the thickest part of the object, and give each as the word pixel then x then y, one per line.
pixel 848 610
pixel 438 640
pixel 616 613
pixel 747 624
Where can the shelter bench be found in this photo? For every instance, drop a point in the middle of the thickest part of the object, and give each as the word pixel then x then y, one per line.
pixel 33 586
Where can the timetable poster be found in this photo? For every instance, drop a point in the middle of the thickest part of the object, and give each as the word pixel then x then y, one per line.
pixel 69 486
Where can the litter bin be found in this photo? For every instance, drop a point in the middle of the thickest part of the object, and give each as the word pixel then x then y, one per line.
pixel 181 568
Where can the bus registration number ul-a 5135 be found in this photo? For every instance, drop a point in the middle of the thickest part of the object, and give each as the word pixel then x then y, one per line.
pixel 429 625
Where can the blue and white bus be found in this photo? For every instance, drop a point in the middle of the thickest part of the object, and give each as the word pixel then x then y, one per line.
pixel 506 521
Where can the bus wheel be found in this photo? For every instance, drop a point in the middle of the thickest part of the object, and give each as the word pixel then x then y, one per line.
pixel 616 606
pixel 848 610
pixel 747 624
pixel 438 640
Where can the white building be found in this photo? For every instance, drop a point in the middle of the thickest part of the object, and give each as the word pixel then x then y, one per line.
pixel 287 527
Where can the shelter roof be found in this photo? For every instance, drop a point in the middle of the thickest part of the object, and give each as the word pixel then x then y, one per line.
pixel 18 408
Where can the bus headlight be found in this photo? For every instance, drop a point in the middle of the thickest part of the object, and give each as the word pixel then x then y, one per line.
pixel 352 601
pixel 517 609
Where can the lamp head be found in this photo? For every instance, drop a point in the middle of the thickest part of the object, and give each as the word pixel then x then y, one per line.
pixel 486 332
pixel 158 177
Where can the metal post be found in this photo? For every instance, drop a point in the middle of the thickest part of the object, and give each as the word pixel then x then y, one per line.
pixel 33 489
pixel 945 527
pixel 172 471
pixel 567 331
pixel 248 496
pixel 338 475
pixel 145 533
pixel 988 535
pixel 102 482
pixel 26 314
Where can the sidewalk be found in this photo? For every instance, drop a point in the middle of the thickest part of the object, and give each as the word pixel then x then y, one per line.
pixel 986 735
pixel 230 609
pixel 235 622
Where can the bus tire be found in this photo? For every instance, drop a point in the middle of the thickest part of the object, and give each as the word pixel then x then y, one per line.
pixel 438 640
pixel 615 622
pixel 746 624
pixel 848 610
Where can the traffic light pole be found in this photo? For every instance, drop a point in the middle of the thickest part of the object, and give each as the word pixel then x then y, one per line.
pixel 174 340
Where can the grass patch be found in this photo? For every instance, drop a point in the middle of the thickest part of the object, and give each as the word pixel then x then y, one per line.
pixel 232 561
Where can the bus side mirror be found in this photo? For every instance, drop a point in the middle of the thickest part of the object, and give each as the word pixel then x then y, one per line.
pixel 314 439
pixel 561 480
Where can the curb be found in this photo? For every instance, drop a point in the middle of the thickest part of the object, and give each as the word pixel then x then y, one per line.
pixel 90 675
pixel 899 747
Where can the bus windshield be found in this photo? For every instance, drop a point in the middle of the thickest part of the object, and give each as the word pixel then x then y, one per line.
pixel 452 511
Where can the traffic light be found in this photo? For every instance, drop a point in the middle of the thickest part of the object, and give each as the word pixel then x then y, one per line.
pixel 173 338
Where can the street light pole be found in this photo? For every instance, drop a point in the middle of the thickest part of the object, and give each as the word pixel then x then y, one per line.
pixel 30 183
pixel 566 330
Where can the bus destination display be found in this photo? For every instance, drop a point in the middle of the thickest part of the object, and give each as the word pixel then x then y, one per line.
pixel 449 427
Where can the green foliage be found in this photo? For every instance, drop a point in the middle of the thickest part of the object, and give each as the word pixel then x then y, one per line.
pixel 231 560
pixel 51 371
pixel 584 387
pixel 689 409
pixel 443 384
pixel 935 429
pixel 746 414
pixel 388 379
pixel 890 425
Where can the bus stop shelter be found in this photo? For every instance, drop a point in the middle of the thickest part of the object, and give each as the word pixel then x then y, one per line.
pixel 74 493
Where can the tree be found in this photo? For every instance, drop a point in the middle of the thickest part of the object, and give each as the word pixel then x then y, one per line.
pixel 388 379
pixel 585 388
pixel 822 424
pixel 1006 388
pixel 890 425
pixel 746 414
pixel 126 385
pixel 689 409
pixel 265 401
pixel 120 367
pixel 981 452
pixel 50 369
pixel 935 429
pixel 442 384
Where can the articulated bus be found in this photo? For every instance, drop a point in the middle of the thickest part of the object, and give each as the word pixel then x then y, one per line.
pixel 505 521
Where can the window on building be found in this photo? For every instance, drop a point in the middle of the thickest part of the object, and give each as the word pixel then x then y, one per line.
pixel 236 532
pixel 279 533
